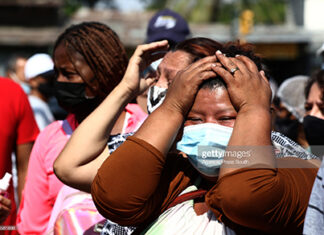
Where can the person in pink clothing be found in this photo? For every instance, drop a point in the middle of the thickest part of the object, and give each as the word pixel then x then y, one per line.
pixel 81 157
pixel 89 62
pixel 42 185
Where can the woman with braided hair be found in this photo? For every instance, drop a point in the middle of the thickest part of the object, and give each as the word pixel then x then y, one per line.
pixel 89 61
pixel 102 53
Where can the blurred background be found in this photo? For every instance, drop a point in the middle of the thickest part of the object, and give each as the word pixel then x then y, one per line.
pixel 286 33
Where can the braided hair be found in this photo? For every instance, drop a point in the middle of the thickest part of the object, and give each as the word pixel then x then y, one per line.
pixel 101 49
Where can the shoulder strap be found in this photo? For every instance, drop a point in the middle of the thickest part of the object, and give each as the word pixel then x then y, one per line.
pixel 67 128
pixel 187 196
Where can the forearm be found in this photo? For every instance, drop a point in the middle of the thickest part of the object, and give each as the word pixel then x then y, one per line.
pixel 257 198
pixel 83 175
pixel 22 156
pixel 21 182
pixel 90 139
pixel 131 175
pixel 161 128
pixel 252 127
pixel 252 137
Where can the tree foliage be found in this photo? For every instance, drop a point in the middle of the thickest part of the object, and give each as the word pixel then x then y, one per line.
pixel 265 11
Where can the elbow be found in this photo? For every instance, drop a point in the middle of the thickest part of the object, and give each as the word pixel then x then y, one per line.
pixel 116 206
pixel 106 205
pixel 245 197
pixel 59 170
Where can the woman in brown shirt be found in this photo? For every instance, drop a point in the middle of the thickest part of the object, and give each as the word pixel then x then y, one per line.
pixel 140 179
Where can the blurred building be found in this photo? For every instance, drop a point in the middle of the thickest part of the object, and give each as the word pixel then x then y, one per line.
pixel 28 27
pixel 32 26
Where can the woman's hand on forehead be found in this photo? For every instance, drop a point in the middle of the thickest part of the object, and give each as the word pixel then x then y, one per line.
pixel 185 85
pixel 246 85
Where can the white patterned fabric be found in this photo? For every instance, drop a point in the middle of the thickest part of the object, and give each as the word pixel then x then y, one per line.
pixel 182 219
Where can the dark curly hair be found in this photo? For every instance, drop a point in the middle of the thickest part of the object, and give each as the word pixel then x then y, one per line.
pixel 201 47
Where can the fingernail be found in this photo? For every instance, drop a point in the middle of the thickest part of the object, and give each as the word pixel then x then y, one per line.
pixel 237 55
pixel 219 52
pixel 213 65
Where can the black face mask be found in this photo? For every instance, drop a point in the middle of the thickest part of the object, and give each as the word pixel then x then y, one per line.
pixel 46 89
pixel 72 98
pixel 314 130
pixel 287 127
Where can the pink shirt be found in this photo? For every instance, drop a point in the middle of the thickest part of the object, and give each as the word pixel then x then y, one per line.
pixel 42 186
pixel 136 118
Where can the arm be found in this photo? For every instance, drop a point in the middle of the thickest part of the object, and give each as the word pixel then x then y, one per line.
pixel 269 200
pixel 250 94
pixel 80 159
pixel 264 193
pixel 27 131
pixel 142 158
pixel 136 183
pixel 22 154
pixel 179 99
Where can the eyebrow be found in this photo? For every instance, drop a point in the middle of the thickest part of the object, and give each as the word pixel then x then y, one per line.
pixel 68 66
pixel 228 110
pixel 311 103
pixel 166 71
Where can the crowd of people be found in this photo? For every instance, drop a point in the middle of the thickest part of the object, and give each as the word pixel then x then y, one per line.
pixel 187 136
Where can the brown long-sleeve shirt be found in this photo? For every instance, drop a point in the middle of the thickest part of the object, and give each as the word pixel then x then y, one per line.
pixel 137 183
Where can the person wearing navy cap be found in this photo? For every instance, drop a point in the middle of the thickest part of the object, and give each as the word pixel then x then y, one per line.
pixel 169 25
pixel 164 25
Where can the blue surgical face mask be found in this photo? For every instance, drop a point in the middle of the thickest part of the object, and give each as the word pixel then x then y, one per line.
pixel 205 145
pixel 25 87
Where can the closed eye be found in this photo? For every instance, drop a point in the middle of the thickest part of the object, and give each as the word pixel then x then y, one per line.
pixel 227 118
pixel 193 119
pixel 227 121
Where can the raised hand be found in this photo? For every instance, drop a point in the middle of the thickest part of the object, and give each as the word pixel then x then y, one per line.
pixel 246 85
pixel 185 85
pixel 143 56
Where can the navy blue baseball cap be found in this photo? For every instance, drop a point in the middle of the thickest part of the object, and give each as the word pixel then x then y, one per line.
pixel 169 25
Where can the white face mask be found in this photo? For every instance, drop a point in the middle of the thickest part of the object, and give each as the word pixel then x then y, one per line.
pixel 156 64
pixel 205 146
pixel 155 97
